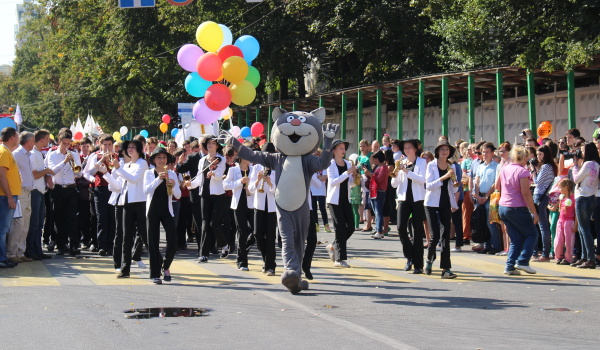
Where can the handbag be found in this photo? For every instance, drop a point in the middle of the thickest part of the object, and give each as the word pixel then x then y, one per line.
pixel 494 206
pixel 373 188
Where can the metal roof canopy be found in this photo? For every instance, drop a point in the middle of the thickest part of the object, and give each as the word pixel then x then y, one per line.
pixel 485 78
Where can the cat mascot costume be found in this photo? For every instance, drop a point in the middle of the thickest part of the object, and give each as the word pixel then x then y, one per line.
pixel 296 135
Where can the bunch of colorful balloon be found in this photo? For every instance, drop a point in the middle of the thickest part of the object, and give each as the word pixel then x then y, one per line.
pixel 222 73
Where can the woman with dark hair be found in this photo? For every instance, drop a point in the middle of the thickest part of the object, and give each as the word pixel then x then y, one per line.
pixel 547 171
pixel 440 201
pixel 586 177
pixel 390 195
pixel 378 189
pixel 409 183
pixel 341 179
pixel 134 210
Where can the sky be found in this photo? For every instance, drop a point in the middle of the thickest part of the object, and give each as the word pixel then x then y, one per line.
pixel 8 19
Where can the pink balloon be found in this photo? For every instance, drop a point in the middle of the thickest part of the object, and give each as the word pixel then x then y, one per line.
pixel 166 118
pixel 188 55
pixel 257 129
pixel 217 97
pixel 235 131
pixel 203 114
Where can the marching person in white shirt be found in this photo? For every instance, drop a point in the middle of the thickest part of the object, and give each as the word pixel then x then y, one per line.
pixel 242 202
pixel 410 189
pixel 161 186
pixel 135 201
pixel 440 201
pixel 211 168
pixel 36 223
pixel 340 176
pixel 262 183
pixel 66 165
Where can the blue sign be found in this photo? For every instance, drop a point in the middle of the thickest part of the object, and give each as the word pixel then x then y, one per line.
pixel 129 4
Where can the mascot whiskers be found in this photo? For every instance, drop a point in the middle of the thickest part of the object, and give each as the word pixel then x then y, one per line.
pixel 296 135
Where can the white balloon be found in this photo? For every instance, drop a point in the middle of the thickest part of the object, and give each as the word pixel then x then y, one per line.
pixel 227 36
pixel 235 131
pixel 123 131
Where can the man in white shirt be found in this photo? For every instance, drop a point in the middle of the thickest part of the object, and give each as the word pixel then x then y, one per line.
pixel 63 162
pixel 40 172
pixel 17 236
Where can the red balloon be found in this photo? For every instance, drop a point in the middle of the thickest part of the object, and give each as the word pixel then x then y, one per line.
pixel 241 140
pixel 217 97
pixel 78 135
pixel 257 129
pixel 209 66
pixel 228 51
pixel 166 118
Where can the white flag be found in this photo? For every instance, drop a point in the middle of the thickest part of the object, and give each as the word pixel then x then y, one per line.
pixel 18 116
pixel 87 128
pixel 72 128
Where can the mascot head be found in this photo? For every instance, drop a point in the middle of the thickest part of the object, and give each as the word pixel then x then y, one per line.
pixel 297 133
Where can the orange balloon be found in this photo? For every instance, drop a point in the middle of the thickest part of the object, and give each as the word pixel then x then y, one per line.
pixel 164 127
pixel 544 129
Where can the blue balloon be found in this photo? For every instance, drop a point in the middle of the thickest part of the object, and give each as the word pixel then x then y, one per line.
pixel 174 132
pixel 7 122
pixel 245 132
pixel 144 133
pixel 195 85
pixel 249 46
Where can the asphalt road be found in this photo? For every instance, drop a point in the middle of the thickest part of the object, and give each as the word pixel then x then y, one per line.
pixel 78 303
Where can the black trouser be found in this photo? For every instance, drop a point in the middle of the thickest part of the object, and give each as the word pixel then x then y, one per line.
pixel 49 228
pixel 322 207
pixel 343 219
pixel 156 259
pixel 412 249
pixel 244 218
pixel 311 245
pixel 213 209
pixel 65 214
pixel 105 218
pixel 265 228
pixel 118 243
pixel 85 221
pixel 229 229
pixel 134 216
pixel 439 224
pixel 197 215
pixel 184 222
pixel 458 224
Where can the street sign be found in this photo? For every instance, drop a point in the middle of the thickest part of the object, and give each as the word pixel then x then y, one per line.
pixel 130 4
pixel 184 110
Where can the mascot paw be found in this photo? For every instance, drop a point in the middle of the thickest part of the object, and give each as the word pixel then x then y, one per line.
pixel 229 140
pixel 330 130
pixel 291 280
pixel 304 284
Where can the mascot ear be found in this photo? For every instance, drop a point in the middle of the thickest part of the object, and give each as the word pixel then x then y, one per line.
pixel 278 112
pixel 319 113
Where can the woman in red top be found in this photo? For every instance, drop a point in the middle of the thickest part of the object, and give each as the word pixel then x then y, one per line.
pixel 378 186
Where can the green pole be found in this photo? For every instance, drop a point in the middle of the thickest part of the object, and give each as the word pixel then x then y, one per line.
pixel 571 99
pixel 321 102
pixel 248 116
pixel 445 106
pixel 257 114
pixel 269 123
pixel 344 115
pixel 500 105
pixel 359 114
pixel 531 98
pixel 239 117
pixel 399 111
pixel 471 98
pixel 294 106
pixel 378 111
pixel 422 111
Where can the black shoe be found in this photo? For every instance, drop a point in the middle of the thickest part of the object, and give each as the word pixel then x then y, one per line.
pixel 93 249
pixel 308 275
pixel 7 264
pixel 493 252
pixel 417 271
pixel 51 246
pixel 447 274
pixel 214 250
pixel 466 242
pixel 485 251
pixel 45 256
pixel 167 278
pixel 102 252
pixel 156 281
pixel 60 251
pixel 123 275
pixel 74 252
pixel 408 266
pixel 203 259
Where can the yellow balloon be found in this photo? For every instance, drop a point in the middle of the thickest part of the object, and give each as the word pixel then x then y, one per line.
pixel 116 135
pixel 209 36
pixel 164 127
pixel 226 117
pixel 242 93
pixel 229 112
pixel 235 69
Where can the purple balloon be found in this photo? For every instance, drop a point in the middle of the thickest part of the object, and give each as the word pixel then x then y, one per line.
pixel 188 55
pixel 203 114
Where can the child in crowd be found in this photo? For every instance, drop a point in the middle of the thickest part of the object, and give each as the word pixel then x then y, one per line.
pixel 567 223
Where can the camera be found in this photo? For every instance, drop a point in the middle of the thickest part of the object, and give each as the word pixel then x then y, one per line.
pixel 534 162
pixel 570 155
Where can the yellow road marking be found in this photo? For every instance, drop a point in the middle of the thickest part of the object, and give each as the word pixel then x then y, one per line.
pixel 565 269
pixel 188 272
pixel 359 272
pixel 255 270
pixel 101 272
pixel 27 274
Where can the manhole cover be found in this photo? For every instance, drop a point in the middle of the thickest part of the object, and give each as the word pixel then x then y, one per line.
pixel 166 312
pixel 557 309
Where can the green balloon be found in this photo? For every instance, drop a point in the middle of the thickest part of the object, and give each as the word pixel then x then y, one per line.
pixel 253 76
